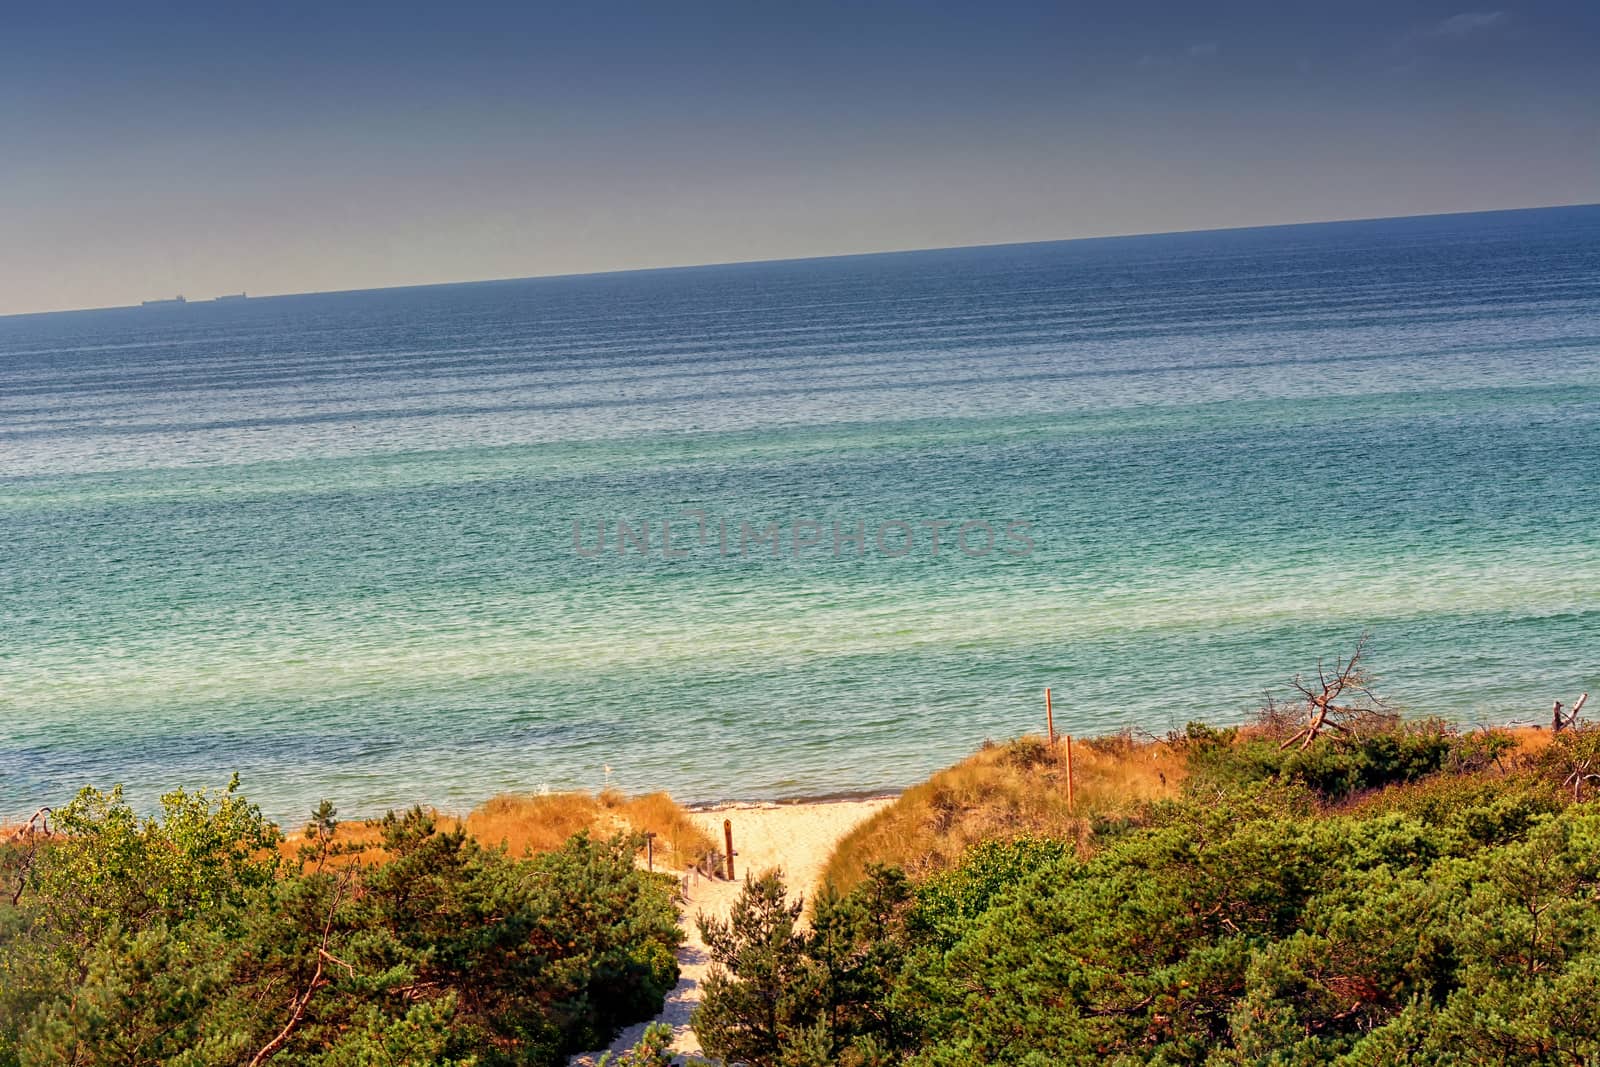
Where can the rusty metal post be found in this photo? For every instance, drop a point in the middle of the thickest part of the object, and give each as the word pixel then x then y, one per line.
pixel 1049 720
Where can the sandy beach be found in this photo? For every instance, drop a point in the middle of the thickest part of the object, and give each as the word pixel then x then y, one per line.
pixel 796 838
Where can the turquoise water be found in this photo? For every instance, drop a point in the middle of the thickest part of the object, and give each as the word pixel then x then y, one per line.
pixel 328 540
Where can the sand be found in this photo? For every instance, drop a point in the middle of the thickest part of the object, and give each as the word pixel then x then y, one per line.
pixel 796 838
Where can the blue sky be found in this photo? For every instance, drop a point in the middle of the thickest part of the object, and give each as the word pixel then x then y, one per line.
pixel 148 149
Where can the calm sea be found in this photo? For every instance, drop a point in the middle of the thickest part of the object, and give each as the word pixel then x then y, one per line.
pixel 327 541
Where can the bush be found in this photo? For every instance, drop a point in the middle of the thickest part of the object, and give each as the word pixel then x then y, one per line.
pixel 1573 759
pixel 185 939
pixel 1397 897
pixel 782 995
pixel 1335 766
pixel 653 1049
pixel 762 993
pixel 1228 938
pixel 947 903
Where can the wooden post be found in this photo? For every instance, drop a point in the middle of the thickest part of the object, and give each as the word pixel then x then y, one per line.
pixel 1555 719
pixel 650 851
pixel 727 833
pixel 1049 720
pixel 1069 773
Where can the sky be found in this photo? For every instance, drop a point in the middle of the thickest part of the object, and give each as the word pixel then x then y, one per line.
pixel 149 149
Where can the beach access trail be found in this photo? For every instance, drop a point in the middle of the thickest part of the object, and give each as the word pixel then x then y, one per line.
pixel 795 838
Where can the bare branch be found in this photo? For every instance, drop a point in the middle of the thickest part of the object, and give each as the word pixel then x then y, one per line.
pixel 30 833
pixel 1322 713
pixel 316 983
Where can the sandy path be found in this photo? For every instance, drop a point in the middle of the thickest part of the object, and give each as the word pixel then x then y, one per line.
pixel 797 838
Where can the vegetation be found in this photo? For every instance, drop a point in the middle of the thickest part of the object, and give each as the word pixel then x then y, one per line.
pixel 1333 887
pixel 651 1050
pixel 1388 893
pixel 528 823
pixel 1007 791
pixel 188 939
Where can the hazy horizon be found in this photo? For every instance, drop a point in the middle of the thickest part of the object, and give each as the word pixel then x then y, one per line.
pixel 197 150
pixel 196 298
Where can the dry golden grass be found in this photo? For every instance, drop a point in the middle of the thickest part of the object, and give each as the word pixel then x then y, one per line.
pixel 1007 791
pixel 680 842
pixel 355 843
pixel 1531 740
pixel 1019 788
pixel 528 824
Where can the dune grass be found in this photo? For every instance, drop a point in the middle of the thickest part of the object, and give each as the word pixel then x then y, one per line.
pixel 1018 789
pixel 686 844
pixel 353 843
pixel 532 823
pixel 1006 791
pixel 526 824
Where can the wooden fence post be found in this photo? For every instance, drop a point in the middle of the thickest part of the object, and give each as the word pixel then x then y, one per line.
pixel 1069 773
pixel 727 833
pixel 1049 720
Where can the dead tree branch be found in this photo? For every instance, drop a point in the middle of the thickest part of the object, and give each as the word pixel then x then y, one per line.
pixel 1338 699
pixel 300 1002
pixel 29 835
pixel 1559 721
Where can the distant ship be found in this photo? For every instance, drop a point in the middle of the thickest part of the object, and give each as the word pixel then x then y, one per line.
pixel 228 298
pixel 164 303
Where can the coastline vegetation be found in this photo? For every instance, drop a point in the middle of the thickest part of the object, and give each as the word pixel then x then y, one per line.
pixel 530 823
pixel 201 936
pixel 1004 791
pixel 1387 892
pixel 1390 893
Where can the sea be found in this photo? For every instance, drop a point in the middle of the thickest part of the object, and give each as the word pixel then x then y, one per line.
pixel 675 529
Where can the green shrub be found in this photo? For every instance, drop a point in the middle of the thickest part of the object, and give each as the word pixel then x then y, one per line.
pixel 179 940
pixel 653 1049
pixel 948 903
pixel 1573 760
pixel 780 995
pixel 763 992
pixel 1225 938
pixel 1336 765
pixel 1222 762
pixel 1448 914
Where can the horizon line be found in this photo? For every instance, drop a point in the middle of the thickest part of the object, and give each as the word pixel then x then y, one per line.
pixel 829 256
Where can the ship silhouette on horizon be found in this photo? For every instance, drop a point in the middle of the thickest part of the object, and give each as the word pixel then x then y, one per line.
pixel 181 301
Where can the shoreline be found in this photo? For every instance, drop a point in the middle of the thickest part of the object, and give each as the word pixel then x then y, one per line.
pixel 1521 727
pixel 836 797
